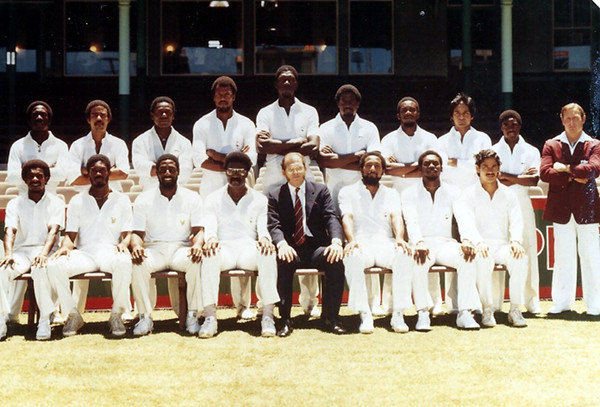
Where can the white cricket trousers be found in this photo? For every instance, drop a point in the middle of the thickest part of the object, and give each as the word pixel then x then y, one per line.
pixel 165 256
pixel 41 286
pixel 517 270
pixel 446 252
pixel 100 258
pixel 239 254
pixel 372 251
pixel 570 239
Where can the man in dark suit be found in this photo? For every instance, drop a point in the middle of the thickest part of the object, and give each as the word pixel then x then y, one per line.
pixel 307 232
pixel 570 164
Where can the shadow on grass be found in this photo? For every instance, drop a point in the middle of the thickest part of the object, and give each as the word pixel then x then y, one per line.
pixel 573 316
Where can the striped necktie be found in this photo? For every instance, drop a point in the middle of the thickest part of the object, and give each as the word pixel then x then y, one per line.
pixel 299 235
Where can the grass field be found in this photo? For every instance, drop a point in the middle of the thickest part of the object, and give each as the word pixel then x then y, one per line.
pixel 555 361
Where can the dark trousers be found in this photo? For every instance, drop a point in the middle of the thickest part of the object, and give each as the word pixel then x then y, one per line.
pixel 311 255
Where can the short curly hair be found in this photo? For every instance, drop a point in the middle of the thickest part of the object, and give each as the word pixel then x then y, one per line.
pixel 31 164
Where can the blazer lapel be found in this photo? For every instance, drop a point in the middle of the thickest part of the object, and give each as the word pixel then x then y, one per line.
pixel 309 200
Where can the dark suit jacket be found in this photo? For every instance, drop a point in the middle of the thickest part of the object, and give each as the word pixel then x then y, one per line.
pixel 321 217
pixel 566 196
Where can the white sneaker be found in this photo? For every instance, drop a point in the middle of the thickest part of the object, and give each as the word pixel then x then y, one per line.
pixel 3 328
pixel 312 312
pixel 192 325
pixel 208 328
pixel 267 326
pixel 516 318
pixel 43 331
pixel 377 311
pixel 245 314
pixel 366 323
pixel 437 310
pixel 397 322
pixel 56 318
pixel 423 322
pixel 144 326
pixel 126 317
pixel 557 309
pixel 465 320
pixel 533 306
pixel 487 318
pixel 73 323
pixel 593 312
pixel 115 324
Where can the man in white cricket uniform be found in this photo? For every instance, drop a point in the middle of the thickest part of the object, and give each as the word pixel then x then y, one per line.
pixel 237 237
pixel 344 139
pixel 99 220
pixel 40 144
pixel 373 227
pixel 31 228
pixel 458 147
pixel 161 139
pixel 428 214
pixel 402 148
pixel 520 170
pixel 489 216
pixel 289 125
pixel 97 141
pixel 164 218
pixel 215 135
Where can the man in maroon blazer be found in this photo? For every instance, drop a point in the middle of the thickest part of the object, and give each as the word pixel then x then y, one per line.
pixel 304 226
pixel 570 164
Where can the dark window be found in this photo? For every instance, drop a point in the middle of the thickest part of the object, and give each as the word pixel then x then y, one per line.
pixel 572 35
pixel 371 37
pixel 92 37
pixel 299 33
pixel 202 37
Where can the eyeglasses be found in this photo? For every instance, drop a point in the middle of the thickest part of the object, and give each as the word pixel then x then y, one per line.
pixel 236 171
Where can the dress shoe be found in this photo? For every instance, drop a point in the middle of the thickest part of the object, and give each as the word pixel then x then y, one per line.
pixel 285 330
pixel 334 327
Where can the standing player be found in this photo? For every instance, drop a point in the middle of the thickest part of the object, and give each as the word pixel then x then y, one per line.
pixel 459 146
pixel 216 134
pixel 344 140
pixel 289 125
pixel 520 164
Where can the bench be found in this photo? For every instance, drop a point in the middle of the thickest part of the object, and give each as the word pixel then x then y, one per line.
pixel 33 310
pixel 433 269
